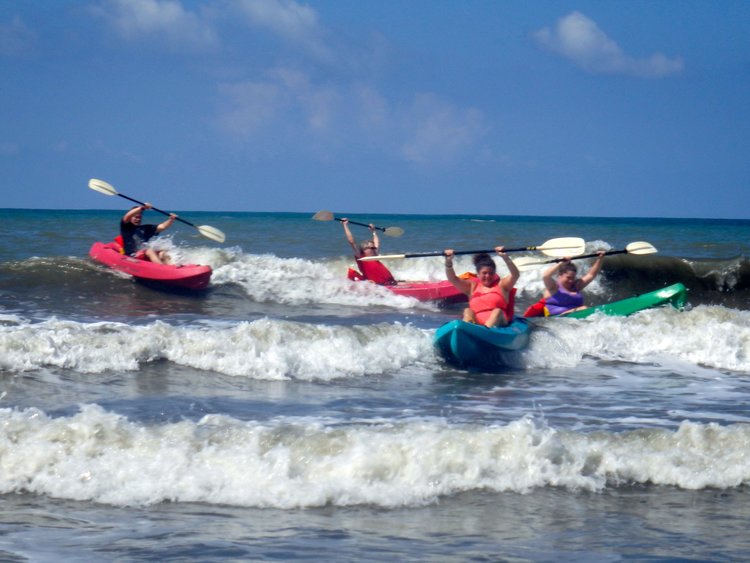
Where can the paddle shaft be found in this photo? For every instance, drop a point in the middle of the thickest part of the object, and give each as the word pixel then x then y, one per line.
pixel 360 224
pixel 157 210
pixel 594 255
pixel 459 252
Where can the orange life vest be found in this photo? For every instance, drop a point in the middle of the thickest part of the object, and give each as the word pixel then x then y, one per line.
pixel 484 302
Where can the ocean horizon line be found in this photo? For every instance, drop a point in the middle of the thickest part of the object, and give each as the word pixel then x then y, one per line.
pixel 354 214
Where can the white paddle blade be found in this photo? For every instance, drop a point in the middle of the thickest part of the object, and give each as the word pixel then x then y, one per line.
pixel 394 231
pixel 383 257
pixel 562 247
pixel 640 248
pixel 102 187
pixel 323 216
pixel 527 263
pixel 211 232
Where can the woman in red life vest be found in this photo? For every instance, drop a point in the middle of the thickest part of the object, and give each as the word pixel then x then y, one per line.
pixel 491 298
pixel 373 271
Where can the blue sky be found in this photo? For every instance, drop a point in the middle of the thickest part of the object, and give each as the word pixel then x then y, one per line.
pixel 620 108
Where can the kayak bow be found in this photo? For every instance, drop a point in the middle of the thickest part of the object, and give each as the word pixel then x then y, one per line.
pixel 190 276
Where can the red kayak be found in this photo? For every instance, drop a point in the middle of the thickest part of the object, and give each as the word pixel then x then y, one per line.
pixel 428 291
pixel 420 290
pixel 189 276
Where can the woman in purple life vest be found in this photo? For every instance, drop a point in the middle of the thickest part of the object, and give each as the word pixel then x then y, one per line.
pixel 563 295
pixel 373 271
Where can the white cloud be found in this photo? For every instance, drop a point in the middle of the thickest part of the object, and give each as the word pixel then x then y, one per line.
pixel 436 131
pixel 159 20
pixel 15 38
pixel 290 20
pixel 250 106
pixel 580 40
pixel 287 107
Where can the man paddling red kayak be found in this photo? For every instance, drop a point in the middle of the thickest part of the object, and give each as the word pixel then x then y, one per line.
pixel 135 235
pixel 120 253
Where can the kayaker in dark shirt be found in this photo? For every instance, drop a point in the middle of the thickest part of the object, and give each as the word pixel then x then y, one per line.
pixel 135 235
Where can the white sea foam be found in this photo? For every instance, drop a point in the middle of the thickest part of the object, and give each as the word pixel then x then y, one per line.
pixel 296 281
pixel 262 349
pixel 100 456
pixel 306 281
pixel 10 319
pixel 711 336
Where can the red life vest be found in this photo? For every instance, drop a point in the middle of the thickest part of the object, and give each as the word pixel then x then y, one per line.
pixel 121 243
pixel 538 309
pixel 354 275
pixel 376 272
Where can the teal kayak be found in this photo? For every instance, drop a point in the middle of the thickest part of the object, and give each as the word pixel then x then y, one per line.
pixel 674 295
pixel 468 345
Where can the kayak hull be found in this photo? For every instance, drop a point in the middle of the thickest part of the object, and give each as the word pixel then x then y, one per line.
pixel 674 295
pixel 190 276
pixel 429 291
pixel 471 345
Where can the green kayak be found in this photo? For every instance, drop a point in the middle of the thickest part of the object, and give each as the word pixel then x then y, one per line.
pixel 675 295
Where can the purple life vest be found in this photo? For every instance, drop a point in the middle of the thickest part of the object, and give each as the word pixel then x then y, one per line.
pixel 563 300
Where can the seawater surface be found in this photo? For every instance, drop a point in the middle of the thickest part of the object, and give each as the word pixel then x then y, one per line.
pixel 288 413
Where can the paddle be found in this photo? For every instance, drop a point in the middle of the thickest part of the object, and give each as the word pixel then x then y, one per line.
pixel 565 246
pixel 206 230
pixel 640 247
pixel 328 216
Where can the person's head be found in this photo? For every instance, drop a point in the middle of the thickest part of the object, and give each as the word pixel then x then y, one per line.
pixel 368 248
pixel 486 269
pixel 566 275
pixel 136 217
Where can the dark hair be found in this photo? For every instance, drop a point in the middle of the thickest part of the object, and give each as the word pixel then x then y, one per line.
pixel 567 267
pixel 483 260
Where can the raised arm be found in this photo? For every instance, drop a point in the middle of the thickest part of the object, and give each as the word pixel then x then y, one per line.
pixel 167 223
pixel 509 281
pixel 375 239
pixel 550 285
pixel 592 273
pixel 350 237
pixel 135 211
pixel 464 286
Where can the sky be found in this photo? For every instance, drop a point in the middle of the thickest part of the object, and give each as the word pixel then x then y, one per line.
pixel 589 108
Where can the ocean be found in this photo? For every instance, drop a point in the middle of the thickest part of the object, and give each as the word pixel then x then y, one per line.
pixel 287 413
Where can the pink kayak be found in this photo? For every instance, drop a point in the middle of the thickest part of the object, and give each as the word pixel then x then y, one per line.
pixel 421 290
pixel 190 276
pixel 428 291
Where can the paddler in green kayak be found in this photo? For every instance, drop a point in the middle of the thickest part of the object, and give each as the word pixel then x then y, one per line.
pixel 563 295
